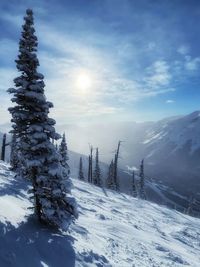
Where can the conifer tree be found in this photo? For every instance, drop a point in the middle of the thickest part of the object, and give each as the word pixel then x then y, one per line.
pixel 142 193
pixel 63 151
pixel 134 185
pixel 110 179
pixel 90 166
pixel 14 156
pixel 80 173
pixel 34 131
pixel 97 171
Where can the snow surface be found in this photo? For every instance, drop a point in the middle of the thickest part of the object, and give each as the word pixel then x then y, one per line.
pixel 112 230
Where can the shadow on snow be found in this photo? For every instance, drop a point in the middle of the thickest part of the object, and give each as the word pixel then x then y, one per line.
pixel 34 245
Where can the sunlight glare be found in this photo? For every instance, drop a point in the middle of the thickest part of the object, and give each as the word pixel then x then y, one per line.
pixel 84 82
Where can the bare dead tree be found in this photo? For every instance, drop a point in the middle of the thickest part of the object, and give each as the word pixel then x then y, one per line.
pixel 115 177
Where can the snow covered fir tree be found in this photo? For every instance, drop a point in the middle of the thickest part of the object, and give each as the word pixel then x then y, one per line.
pixel 142 193
pixel 97 170
pixel 110 178
pixel 35 131
pixel 63 151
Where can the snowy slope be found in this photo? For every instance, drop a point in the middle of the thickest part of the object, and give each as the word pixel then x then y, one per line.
pixel 112 230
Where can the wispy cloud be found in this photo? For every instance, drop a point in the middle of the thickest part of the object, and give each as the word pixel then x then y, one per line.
pixel 183 49
pixel 187 64
pixel 158 74
pixel 192 64
pixel 151 45
pixel 170 101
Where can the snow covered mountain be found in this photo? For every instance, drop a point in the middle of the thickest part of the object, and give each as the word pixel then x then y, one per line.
pixel 177 130
pixel 172 151
pixel 112 230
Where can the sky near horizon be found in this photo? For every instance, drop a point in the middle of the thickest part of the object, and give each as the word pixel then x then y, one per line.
pixel 108 60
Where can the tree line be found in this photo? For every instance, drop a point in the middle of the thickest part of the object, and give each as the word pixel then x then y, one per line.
pixel 95 175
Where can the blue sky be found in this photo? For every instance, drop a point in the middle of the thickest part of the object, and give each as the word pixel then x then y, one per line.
pixel 136 60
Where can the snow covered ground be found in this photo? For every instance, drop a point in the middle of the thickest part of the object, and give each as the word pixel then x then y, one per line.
pixel 112 230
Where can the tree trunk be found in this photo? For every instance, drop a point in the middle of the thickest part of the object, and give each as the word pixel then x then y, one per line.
pixel 3 148
pixel 37 205
pixel 89 169
pixel 91 174
pixel 116 166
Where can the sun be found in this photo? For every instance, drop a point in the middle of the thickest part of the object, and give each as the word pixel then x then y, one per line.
pixel 84 82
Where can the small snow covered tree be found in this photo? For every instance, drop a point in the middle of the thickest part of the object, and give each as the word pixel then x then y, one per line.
pixel 97 170
pixel 35 131
pixel 134 190
pixel 64 154
pixel 142 193
pixel 110 178
pixel 80 173
pixel 113 179
pixel 90 165
pixel 14 157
